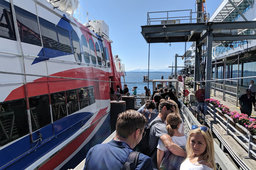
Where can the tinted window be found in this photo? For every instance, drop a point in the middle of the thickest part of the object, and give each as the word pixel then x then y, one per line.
pixel 93 59
pixel 84 43
pixel 91 95
pixel 28 27
pixel 76 47
pixel 99 60
pixel 14 122
pixel 72 101
pixel 86 57
pixel 6 22
pixel 49 34
pixel 64 41
pixel 106 53
pixel 84 98
pixel 91 44
pixel 58 101
pixel 39 111
pixel 97 47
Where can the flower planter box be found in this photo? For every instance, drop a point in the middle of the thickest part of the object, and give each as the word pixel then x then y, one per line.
pixel 242 129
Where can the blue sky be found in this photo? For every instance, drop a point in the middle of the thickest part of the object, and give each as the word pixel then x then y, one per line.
pixel 125 19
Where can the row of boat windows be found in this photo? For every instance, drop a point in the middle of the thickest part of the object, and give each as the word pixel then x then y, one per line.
pixel 222 48
pixel 53 36
pixel 233 70
pixel 14 119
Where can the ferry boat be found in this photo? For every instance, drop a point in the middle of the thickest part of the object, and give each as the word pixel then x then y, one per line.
pixel 55 80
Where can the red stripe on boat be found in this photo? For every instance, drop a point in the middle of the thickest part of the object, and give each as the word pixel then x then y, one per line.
pixel 64 153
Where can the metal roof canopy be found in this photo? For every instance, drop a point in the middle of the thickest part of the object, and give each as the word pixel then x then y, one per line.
pixel 196 31
pixel 202 33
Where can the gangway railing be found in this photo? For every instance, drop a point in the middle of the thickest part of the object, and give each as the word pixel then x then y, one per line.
pixel 173 17
pixel 238 132
pixel 221 159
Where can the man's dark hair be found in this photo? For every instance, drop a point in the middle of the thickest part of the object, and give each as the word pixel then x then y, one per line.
pixel 150 104
pixel 128 122
pixel 167 104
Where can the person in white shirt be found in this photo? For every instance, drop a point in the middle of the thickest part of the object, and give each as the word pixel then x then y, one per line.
pixel 200 150
pixel 165 159
pixel 252 87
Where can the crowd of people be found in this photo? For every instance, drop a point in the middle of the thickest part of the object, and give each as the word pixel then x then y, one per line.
pixel 166 145
pixel 116 94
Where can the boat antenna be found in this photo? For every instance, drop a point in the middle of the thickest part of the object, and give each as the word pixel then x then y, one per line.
pixel 87 17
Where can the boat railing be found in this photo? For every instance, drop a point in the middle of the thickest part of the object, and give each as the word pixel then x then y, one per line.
pixel 140 101
pixel 173 17
pixel 241 146
pixel 230 87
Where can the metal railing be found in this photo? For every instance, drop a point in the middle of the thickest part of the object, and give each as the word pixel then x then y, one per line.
pixel 243 137
pixel 140 101
pixel 226 87
pixel 174 17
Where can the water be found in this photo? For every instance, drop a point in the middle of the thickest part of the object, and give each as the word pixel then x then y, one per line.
pixel 136 79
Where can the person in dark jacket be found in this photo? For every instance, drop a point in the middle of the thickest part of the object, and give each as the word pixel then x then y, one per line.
pixel 126 90
pixel 246 101
pixel 129 130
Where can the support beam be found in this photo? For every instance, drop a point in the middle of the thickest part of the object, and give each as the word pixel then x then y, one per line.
pixel 234 37
pixel 175 70
pixel 232 25
pixel 197 65
pixel 208 71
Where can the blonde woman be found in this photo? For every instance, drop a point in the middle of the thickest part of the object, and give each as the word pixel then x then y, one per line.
pixel 200 150
pixel 165 159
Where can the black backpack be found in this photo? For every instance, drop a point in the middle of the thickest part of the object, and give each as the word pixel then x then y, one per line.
pixel 132 161
pixel 143 146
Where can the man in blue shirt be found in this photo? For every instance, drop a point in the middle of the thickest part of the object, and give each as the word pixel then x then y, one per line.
pixel 129 130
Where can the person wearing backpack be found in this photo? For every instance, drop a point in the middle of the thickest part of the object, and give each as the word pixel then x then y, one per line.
pixel 118 154
pixel 158 129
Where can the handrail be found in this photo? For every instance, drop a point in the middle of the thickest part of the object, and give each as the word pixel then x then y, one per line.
pixel 245 142
pixel 223 88
pixel 172 17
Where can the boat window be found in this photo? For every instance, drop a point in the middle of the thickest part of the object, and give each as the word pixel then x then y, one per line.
pixel 91 44
pixel 39 111
pixel 28 27
pixel 106 53
pixel 84 42
pixel 58 101
pixel 99 60
pixel 93 59
pixel 91 95
pixel 6 22
pixel 249 69
pixel 101 44
pixel 64 41
pixel 86 57
pixel 13 120
pixel 49 34
pixel 76 47
pixel 97 47
pixel 106 56
pixel 72 101
pixel 86 96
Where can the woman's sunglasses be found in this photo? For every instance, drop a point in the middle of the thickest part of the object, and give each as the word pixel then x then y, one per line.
pixel 203 128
